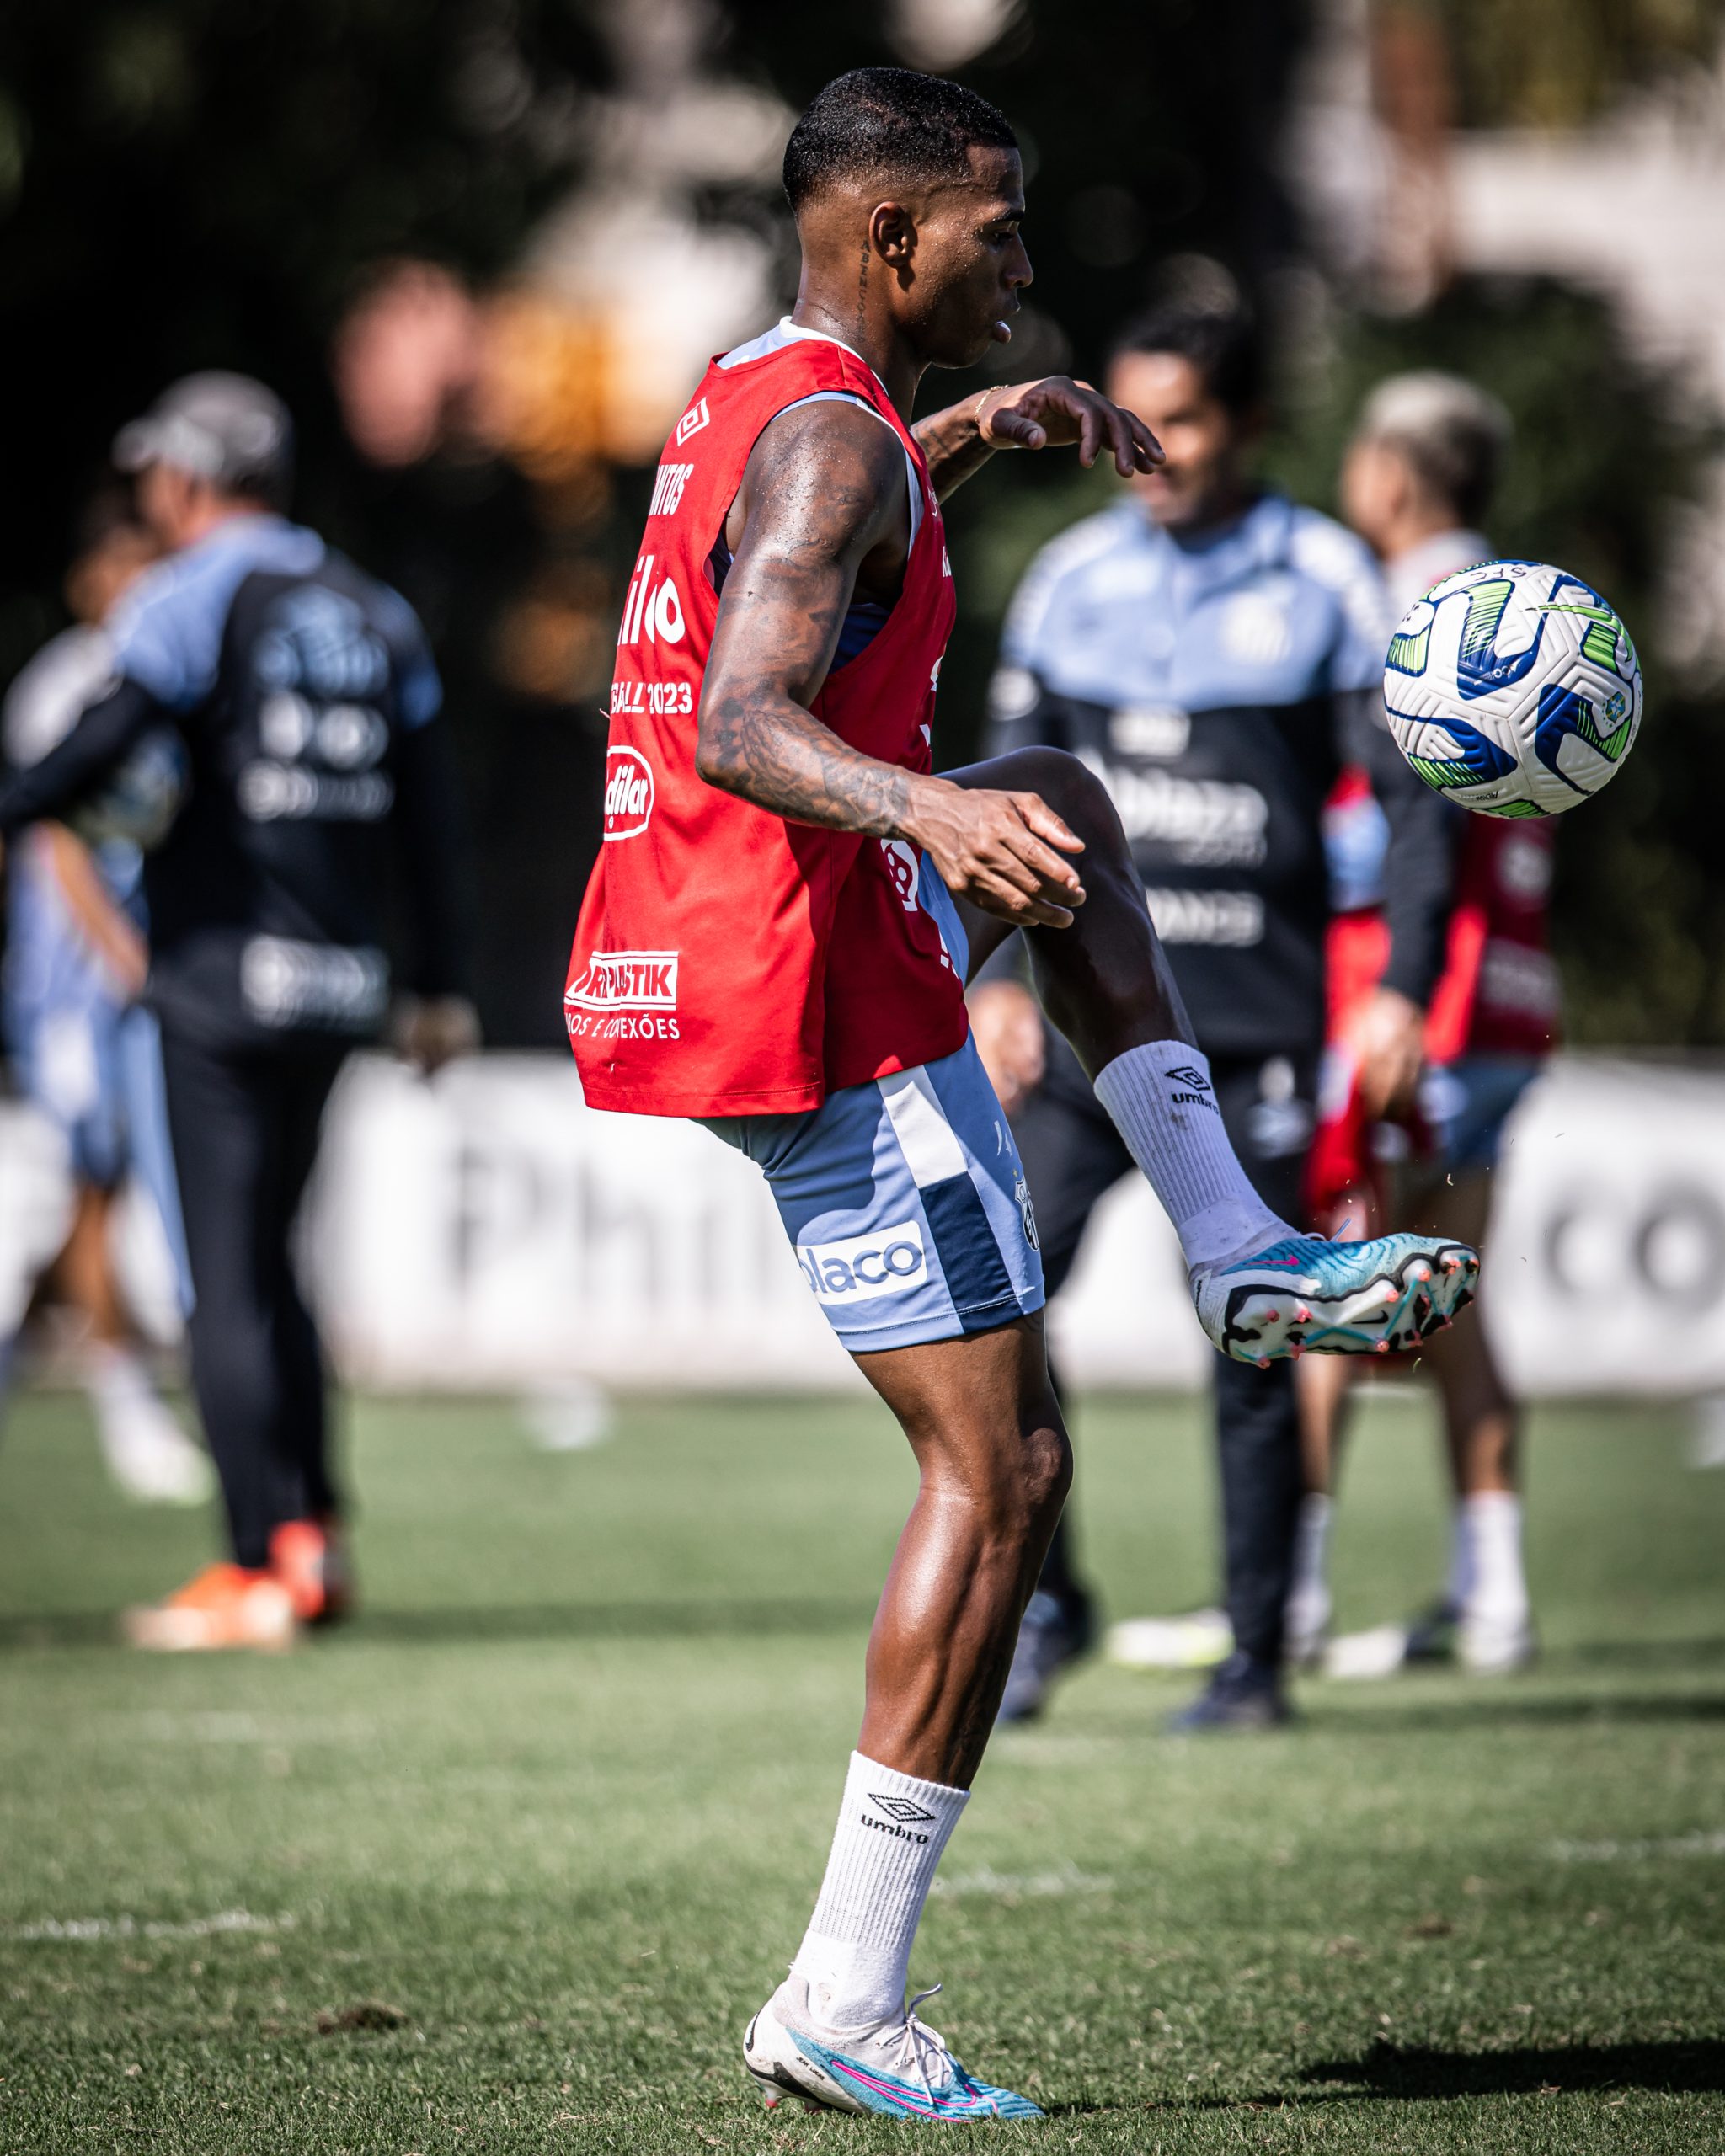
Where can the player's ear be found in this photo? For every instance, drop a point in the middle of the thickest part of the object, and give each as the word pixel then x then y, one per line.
pixel 892 233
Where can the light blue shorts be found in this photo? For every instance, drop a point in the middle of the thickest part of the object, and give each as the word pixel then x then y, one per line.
pixel 907 1204
pixel 1468 1101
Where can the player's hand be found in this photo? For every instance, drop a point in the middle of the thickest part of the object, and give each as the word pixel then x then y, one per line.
pixel 431 1031
pixel 1389 1038
pixel 1056 412
pixel 1001 851
pixel 1005 1024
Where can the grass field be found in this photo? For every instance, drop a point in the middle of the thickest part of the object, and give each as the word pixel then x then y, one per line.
pixel 505 1866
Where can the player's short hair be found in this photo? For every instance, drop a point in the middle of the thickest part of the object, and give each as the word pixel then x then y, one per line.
pixel 1455 435
pixel 1221 342
pixel 891 121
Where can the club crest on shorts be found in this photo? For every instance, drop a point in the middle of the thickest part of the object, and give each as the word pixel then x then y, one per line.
pixel 1026 1211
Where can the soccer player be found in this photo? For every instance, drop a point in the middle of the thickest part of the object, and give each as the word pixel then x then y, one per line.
pixel 1415 485
pixel 84 1048
pixel 1216 653
pixel 302 697
pixel 775 942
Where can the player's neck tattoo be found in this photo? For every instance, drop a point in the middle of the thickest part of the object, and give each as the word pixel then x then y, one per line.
pixel 862 292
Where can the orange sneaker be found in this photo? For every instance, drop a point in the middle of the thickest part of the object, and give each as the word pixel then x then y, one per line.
pixel 224 1606
pixel 309 1557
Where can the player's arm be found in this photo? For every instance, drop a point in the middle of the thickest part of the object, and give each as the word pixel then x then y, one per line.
pixel 1053 413
pixel 822 492
pixel 105 735
pixel 437 1022
pixel 109 934
pixel 1418 899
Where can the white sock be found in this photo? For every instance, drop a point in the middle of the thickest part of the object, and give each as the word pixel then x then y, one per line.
pixel 1494 1583
pixel 1312 1546
pixel 856 1954
pixel 115 1376
pixel 1459 1586
pixel 1160 1099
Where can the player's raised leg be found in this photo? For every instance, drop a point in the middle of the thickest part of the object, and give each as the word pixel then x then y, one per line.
pixel 1262 1289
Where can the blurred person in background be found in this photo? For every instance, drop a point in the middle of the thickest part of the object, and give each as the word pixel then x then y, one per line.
pixel 84 1048
pixel 484 480
pixel 286 704
pixel 1214 652
pixel 1416 485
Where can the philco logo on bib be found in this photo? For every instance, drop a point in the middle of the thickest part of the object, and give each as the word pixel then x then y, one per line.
pixel 651 610
pixel 888 1262
pixel 629 794
pixel 626 980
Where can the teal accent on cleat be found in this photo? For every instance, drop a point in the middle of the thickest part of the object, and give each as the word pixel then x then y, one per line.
pixel 1376 1298
pixel 901 2069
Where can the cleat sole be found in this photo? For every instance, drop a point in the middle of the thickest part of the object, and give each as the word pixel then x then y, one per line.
pixel 1390 1313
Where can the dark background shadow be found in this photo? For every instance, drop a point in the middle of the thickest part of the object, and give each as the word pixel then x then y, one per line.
pixel 1418 2074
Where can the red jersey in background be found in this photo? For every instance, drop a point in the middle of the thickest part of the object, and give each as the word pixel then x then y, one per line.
pixel 1498 992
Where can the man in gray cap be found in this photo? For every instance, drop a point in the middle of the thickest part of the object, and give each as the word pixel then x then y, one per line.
pixel 286 705
pixel 221 432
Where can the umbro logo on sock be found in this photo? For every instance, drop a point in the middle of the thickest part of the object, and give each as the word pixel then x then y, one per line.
pixel 1199 1096
pixel 900 1808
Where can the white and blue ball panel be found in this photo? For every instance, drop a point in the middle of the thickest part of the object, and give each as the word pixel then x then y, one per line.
pixel 907 1204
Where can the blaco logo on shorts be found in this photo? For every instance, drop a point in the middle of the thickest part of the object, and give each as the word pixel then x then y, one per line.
pixel 888 1262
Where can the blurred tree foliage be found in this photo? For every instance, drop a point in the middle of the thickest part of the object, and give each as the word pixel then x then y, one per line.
pixel 1606 449
pixel 188 184
pixel 194 183
pixel 1557 63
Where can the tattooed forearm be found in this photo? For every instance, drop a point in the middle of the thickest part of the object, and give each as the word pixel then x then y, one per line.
pixel 953 444
pixel 824 491
pixel 772 752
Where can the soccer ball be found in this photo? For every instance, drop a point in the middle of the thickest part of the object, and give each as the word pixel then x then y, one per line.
pixel 1513 688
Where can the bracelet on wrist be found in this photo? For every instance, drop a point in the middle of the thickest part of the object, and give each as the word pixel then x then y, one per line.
pixel 999 389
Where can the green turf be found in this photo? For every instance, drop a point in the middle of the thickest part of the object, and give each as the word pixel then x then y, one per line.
pixel 507 1865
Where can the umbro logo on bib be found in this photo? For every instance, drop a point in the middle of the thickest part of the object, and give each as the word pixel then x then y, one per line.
pixel 696 417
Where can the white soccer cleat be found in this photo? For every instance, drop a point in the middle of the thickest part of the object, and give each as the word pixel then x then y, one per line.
pixel 1198 1640
pixel 901 2069
pixel 1490 1645
pixel 1335 1299
pixel 1356 1656
pixel 150 1456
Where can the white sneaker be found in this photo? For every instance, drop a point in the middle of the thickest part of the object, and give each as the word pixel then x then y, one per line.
pixel 1491 1646
pixel 150 1456
pixel 1199 1640
pixel 900 2069
pixel 1380 1652
pixel 1336 1298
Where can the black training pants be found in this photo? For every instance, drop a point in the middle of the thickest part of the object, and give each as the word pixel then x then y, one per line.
pixel 244 1126
pixel 1072 1155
